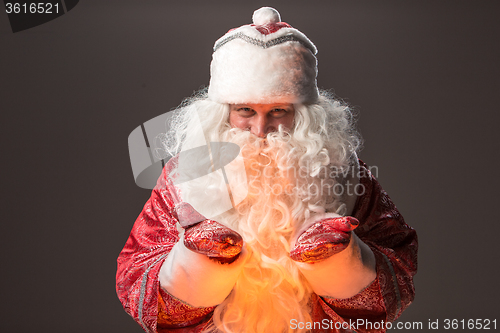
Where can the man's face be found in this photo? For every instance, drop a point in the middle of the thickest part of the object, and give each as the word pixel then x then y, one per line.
pixel 261 119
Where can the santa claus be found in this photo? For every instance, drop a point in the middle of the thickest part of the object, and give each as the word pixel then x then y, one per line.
pixel 291 232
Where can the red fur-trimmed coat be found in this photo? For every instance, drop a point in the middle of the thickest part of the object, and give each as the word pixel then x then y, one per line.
pixel 381 227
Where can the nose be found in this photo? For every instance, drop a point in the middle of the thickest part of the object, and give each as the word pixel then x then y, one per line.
pixel 261 127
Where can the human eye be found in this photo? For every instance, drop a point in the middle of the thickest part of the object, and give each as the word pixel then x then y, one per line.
pixel 245 111
pixel 279 112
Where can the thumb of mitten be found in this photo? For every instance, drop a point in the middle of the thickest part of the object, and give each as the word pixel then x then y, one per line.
pixel 323 239
pixel 214 240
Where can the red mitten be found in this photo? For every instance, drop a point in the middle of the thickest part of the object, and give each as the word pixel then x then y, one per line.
pixel 187 215
pixel 323 239
pixel 214 240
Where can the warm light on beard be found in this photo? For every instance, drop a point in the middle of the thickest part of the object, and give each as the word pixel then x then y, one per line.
pixel 270 291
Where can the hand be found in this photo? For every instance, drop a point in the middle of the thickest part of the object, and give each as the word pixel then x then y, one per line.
pixel 214 240
pixel 187 215
pixel 323 239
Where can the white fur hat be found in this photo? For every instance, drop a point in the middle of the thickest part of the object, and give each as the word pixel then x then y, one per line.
pixel 264 62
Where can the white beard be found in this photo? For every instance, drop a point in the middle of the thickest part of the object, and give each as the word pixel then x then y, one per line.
pixel 271 291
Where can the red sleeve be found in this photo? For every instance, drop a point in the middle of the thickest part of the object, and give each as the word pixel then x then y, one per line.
pixel 152 238
pixel 176 316
pixel 394 244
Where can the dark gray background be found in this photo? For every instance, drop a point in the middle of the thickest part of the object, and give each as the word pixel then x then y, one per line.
pixel 423 75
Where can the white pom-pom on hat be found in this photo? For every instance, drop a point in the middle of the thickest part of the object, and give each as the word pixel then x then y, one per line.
pixel 265 15
pixel 263 63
